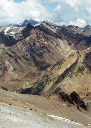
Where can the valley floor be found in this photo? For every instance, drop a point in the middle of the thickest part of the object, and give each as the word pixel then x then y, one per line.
pixel 45 112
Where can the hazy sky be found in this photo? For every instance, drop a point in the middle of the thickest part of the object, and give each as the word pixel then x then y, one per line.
pixel 61 12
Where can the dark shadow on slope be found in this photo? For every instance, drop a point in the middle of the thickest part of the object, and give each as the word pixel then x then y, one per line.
pixel 26 30
pixel 7 41
pixel 25 91
pixel 87 61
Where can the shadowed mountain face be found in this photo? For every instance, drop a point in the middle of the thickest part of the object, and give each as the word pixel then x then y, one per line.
pixel 47 51
pixel 11 35
pixel 7 41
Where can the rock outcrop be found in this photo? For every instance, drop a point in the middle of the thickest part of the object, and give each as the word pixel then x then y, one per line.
pixel 73 98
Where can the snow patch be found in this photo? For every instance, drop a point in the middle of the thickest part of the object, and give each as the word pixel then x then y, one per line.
pixel 5 31
pixel 20 29
pixel 56 27
pixel 37 24
pixel 65 120
pixel 88 48
pixel 15 27
pixel 64 104
pixel 12 33
pixel 14 37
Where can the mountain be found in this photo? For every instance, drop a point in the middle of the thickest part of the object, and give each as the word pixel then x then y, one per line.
pixel 46 53
pixel 11 35
pixel 24 23
pixel 75 40
pixel 47 60
pixel 75 29
pixel 71 73
pixel 25 61
pixel 69 78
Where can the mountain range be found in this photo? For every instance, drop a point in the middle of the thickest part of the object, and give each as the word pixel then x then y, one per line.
pixel 44 59
pixel 31 22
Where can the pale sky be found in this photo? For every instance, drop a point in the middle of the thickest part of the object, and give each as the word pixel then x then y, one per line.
pixel 60 12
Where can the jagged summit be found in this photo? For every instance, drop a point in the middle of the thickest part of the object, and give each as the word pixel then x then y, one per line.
pixel 24 23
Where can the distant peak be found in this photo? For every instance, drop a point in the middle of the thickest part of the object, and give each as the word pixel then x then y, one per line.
pixel 25 21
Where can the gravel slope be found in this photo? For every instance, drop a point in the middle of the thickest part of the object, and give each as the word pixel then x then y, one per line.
pixel 46 113
pixel 13 117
